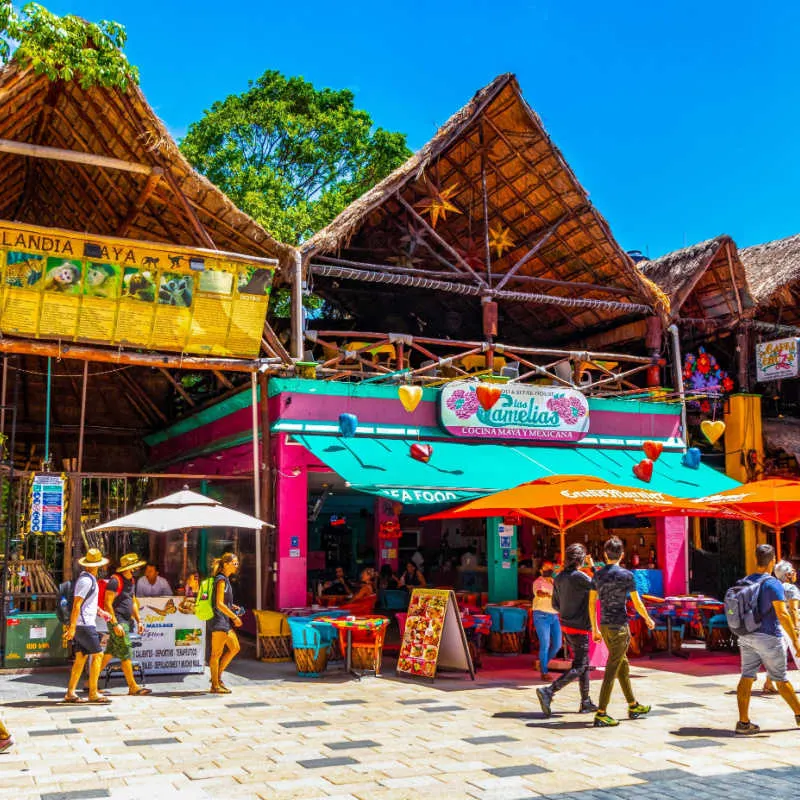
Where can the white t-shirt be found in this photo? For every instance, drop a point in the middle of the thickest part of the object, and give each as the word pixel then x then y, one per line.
pixel 86 587
pixel 158 589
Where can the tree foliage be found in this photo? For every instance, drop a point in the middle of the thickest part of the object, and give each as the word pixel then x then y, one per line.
pixel 290 155
pixel 65 48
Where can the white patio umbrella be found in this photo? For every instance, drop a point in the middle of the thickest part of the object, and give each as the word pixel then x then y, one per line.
pixel 184 511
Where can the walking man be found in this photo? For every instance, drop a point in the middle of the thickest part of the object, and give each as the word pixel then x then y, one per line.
pixel 765 647
pixel 571 600
pixel 122 606
pixel 611 585
pixel 82 629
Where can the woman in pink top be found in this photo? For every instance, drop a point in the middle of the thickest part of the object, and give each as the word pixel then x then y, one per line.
pixel 545 618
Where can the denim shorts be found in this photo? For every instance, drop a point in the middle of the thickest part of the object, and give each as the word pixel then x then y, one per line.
pixel 762 649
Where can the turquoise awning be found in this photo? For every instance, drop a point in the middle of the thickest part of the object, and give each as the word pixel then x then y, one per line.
pixel 459 471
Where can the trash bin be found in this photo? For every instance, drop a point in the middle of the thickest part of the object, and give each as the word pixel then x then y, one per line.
pixel 33 639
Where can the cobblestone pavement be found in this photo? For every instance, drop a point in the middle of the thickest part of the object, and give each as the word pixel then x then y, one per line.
pixel 277 736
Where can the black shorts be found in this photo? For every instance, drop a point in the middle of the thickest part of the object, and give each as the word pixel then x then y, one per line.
pixel 87 640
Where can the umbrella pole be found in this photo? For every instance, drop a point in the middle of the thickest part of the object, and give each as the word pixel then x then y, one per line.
pixel 777 544
pixel 185 553
pixel 563 532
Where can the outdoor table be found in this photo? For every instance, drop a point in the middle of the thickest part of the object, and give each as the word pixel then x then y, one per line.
pixel 303 611
pixel 345 626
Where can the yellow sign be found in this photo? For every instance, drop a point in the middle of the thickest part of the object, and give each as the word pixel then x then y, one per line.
pixel 61 285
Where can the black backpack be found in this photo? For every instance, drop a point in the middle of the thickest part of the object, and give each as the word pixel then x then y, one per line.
pixel 66 596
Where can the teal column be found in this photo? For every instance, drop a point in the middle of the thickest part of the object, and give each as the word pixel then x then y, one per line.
pixel 501 560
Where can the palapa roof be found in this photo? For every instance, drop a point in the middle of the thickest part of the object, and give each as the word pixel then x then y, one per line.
pixel 573 276
pixel 704 281
pixel 98 199
pixel 773 272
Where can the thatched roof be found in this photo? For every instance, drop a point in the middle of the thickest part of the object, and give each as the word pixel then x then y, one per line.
pixel 782 434
pixel 103 200
pixel 532 198
pixel 704 281
pixel 773 272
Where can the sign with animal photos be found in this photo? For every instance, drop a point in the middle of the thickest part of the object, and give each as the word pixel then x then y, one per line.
pixel 434 637
pixel 57 284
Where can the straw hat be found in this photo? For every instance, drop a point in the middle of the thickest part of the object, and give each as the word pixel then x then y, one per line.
pixel 93 558
pixel 130 561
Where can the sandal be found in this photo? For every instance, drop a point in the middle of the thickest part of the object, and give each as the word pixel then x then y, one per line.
pixel 141 692
pixel 100 700
pixel 219 690
pixel 73 699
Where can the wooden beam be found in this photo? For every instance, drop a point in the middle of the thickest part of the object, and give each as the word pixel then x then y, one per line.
pixel 450 249
pixel 82 427
pixel 202 234
pixel 178 388
pixel 116 356
pixel 139 202
pixel 222 379
pixel 73 156
pixel 540 243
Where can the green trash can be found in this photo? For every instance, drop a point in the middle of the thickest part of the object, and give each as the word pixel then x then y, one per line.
pixel 33 639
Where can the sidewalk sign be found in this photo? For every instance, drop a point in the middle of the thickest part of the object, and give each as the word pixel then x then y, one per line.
pixel 434 636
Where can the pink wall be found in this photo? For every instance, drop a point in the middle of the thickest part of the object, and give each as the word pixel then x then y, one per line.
pixel 385 512
pixel 672 553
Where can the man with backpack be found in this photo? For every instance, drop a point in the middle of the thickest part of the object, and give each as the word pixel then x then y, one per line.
pixel 82 628
pixel 756 612
pixel 123 607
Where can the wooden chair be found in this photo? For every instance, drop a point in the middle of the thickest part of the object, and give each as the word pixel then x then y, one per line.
pixel 274 636
pixel 366 648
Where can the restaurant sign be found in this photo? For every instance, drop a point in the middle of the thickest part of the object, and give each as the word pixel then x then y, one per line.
pixel 514 411
pixel 79 288
pixel 776 360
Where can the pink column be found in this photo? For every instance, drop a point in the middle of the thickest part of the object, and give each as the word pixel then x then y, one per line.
pixel 673 553
pixel 385 512
pixel 291 511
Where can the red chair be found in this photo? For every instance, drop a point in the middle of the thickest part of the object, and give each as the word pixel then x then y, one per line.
pixel 361 608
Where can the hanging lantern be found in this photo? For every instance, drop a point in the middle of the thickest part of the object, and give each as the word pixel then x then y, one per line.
pixel 653 449
pixel 421 452
pixel 691 458
pixel 512 519
pixel 410 396
pixel 348 424
pixel 488 395
pixel 397 508
pixel 389 529
pixel 643 470
pixel 712 430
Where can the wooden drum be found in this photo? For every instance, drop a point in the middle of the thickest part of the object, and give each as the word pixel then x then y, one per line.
pixel 307 664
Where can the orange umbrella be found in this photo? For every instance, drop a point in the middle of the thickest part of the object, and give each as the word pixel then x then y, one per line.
pixel 774 502
pixel 564 501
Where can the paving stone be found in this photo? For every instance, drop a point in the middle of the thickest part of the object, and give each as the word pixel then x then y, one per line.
pixel 517 771
pixel 54 732
pixel 85 720
pixel 325 763
pixel 490 739
pixel 692 744
pixel 355 745
pixel 158 740
pixel 419 702
pixel 344 702
pixel 251 704
pixel 662 775
pixel 311 723
pixel 684 704
pixel 442 709
pixel 79 795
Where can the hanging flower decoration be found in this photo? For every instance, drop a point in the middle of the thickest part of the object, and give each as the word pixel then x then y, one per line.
pixel 437 202
pixel 703 375
pixel 500 240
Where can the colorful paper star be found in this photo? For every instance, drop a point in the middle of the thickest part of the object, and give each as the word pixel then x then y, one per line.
pixel 404 260
pixel 473 253
pixel 437 202
pixel 500 240
pixel 413 238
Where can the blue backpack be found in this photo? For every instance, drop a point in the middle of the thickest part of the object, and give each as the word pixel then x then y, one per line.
pixel 741 606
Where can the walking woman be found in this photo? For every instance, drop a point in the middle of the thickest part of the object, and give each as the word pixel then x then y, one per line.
pixel 6 739
pixel 545 619
pixel 224 642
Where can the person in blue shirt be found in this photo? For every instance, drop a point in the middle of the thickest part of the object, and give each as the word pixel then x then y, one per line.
pixel 765 647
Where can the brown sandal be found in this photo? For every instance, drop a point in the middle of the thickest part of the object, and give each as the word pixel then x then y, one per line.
pixel 141 692
pixel 219 690
pixel 100 700
pixel 73 699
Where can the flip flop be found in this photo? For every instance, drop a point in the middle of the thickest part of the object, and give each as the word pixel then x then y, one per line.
pixel 100 700
pixel 219 690
pixel 73 699
pixel 141 692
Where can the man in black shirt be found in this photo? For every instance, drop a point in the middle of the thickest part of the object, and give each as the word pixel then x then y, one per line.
pixel 611 586
pixel 571 599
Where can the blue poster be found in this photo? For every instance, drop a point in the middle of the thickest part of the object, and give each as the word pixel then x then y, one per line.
pixel 47 504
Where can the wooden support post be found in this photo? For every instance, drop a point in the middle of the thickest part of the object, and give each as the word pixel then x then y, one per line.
pixel 178 388
pixel 222 379
pixel 82 426
pixel 74 156
pixel 202 234
pixel 138 204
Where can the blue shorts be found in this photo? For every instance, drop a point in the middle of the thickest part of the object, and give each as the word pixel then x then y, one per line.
pixel 762 649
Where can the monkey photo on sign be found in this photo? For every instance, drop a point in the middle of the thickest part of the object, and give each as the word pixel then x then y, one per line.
pixel 62 276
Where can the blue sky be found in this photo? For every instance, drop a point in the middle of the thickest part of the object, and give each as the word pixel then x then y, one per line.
pixel 680 118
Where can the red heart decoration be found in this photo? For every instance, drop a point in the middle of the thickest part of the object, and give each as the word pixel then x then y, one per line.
pixel 421 452
pixel 488 395
pixel 653 449
pixel 644 470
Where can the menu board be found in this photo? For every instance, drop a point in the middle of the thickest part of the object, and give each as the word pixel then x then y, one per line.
pixel 434 636
pixel 62 285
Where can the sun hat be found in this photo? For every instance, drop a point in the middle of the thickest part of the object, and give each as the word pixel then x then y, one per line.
pixel 782 569
pixel 93 558
pixel 130 561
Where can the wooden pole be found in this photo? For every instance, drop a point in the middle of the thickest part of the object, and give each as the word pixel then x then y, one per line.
pixel 74 156
pixel 297 326
pixel 203 235
pixel 178 388
pixel 138 203
pixel 82 427
pixel 3 392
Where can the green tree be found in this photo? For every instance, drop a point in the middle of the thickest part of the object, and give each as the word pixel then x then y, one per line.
pixel 290 155
pixel 65 48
